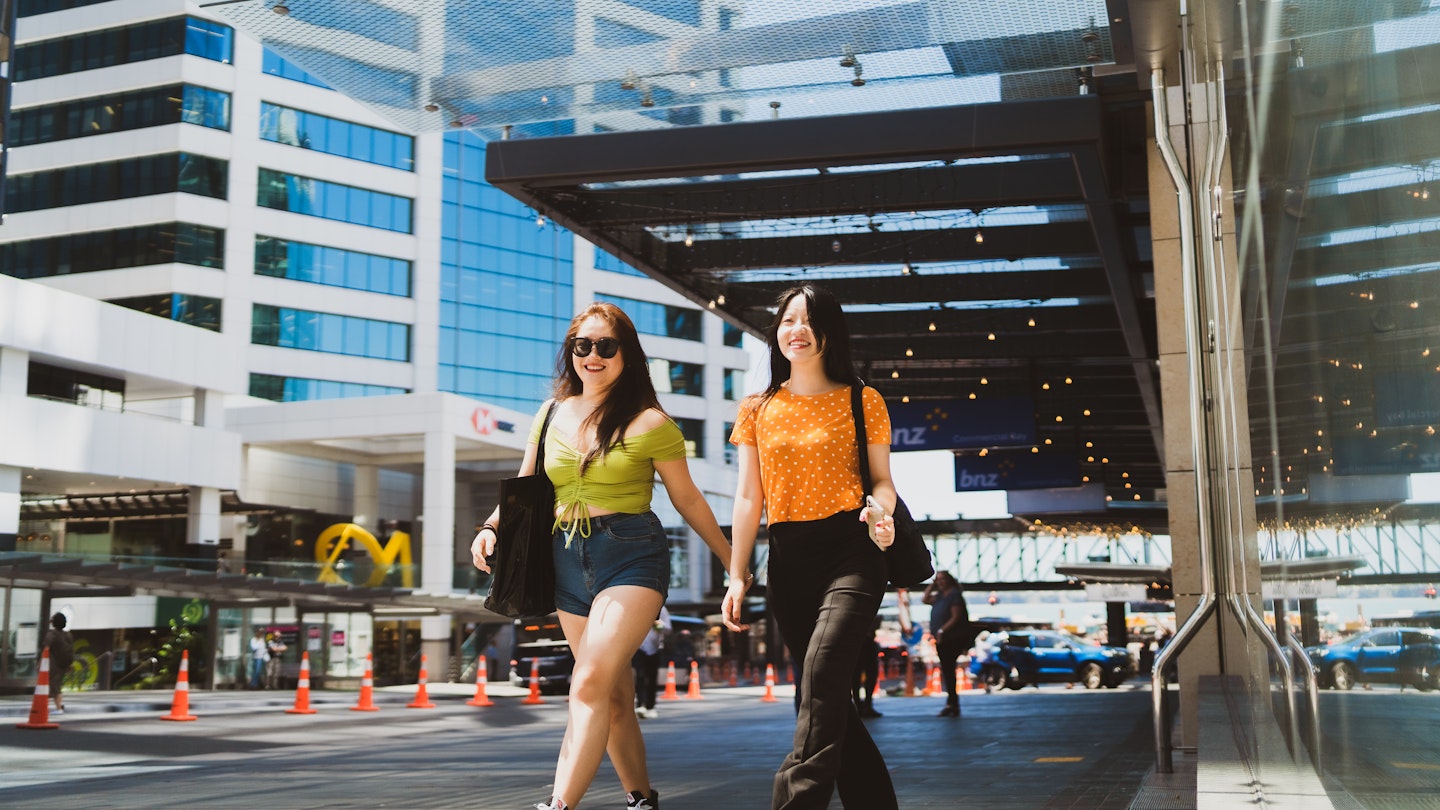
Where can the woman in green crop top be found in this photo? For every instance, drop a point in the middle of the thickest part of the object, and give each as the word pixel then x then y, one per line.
pixel 607 439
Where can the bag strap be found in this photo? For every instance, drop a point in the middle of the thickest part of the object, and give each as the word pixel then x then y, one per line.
pixel 544 428
pixel 857 411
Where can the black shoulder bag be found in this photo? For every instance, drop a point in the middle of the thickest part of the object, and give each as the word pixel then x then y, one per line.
pixel 522 582
pixel 907 558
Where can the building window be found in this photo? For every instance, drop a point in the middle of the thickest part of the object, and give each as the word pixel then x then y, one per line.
pixel 119 112
pixel 321 198
pixel 119 180
pixel 676 377
pixel 733 335
pixel 195 310
pixel 333 136
pixel 119 46
pixel 29 8
pixel 679 538
pixel 77 387
pixel 659 319
pixel 298 389
pixel 732 453
pixel 334 334
pixel 277 65
pixel 694 432
pixel 283 258
pixel 610 263
pixel 734 384
pixel 112 250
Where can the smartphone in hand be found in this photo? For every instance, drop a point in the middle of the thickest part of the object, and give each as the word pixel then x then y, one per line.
pixel 873 514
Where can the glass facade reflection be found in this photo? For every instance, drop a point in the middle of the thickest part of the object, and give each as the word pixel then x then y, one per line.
pixel 135 109
pixel 298 389
pixel 123 45
pixel 659 319
pixel 179 242
pixel 326 332
pixel 195 310
pixel 337 201
pixel 118 180
pixel 285 258
pixel 332 136
pixel 506 287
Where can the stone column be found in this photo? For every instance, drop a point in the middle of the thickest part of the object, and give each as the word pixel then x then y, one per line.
pixel 437 544
pixel 366 505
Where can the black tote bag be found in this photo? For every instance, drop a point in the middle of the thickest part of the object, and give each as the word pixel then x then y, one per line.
pixel 522 582
pixel 907 559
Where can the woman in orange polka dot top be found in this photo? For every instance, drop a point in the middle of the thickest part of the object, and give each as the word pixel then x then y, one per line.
pixel 799 465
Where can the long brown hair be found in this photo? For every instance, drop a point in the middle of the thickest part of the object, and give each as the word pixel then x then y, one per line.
pixel 631 395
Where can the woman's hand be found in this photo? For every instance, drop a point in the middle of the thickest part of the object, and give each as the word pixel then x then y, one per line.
pixel 884 533
pixel 734 601
pixel 481 547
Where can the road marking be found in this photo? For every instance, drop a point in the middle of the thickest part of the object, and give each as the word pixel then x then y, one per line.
pixel 1416 766
pixel 1059 759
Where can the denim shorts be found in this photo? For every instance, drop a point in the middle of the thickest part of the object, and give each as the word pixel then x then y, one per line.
pixel 622 549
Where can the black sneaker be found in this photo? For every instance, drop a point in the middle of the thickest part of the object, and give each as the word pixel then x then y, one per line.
pixel 635 800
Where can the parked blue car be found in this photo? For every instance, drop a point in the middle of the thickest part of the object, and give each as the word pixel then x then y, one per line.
pixel 1403 655
pixel 1017 659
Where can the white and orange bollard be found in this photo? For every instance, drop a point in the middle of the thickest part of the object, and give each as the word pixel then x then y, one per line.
pixel 180 706
pixel 482 679
pixel 534 698
pixel 670 692
pixel 693 690
pixel 769 696
pixel 302 688
pixel 40 703
pixel 422 695
pixel 367 688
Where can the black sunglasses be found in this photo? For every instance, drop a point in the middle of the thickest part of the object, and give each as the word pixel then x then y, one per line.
pixel 606 347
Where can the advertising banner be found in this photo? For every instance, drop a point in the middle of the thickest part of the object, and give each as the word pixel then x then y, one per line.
pixel 1407 398
pixel 1015 469
pixel 960 424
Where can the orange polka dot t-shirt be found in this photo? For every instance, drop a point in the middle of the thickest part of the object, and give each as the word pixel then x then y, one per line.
pixel 809 467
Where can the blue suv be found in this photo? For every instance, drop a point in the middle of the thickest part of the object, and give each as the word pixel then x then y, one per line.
pixel 1404 655
pixel 1017 659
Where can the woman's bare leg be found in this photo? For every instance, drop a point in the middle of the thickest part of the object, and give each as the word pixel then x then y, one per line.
pixel 603 644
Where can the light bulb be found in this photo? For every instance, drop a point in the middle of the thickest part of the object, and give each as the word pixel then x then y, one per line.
pixel 979 236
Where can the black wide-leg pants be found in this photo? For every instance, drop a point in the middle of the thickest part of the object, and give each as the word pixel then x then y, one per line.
pixel 826 579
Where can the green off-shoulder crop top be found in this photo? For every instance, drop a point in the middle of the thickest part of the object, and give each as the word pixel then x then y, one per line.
pixel 620 480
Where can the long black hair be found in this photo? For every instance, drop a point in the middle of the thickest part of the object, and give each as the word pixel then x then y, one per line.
pixel 631 395
pixel 827 321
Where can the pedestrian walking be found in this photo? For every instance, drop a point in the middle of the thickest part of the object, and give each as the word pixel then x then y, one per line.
pixel 608 438
pixel 799 465
pixel 62 657
pixel 953 633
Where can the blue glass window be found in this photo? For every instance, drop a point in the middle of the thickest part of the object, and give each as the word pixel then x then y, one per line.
pixel 283 258
pixel 29 8
pixel 333 136
pixel 325 332
pixel 604 260
pixel 734 384
pixel 677 377
pixel 659 319
pixel 612 34
pixel 195 310
pixel 123 45
pixel 733 335
pixel 117 180
pixel 110 250
pixel 277 65
pixel 506 286
pixel 682 11
pixel 118 112
pixel 321 198
pixel 297 389
pixel 694 432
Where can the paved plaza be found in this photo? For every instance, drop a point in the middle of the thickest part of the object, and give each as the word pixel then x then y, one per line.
pixel 1056 749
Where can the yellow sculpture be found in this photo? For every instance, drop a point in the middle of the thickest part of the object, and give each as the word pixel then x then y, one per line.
pixel 333 541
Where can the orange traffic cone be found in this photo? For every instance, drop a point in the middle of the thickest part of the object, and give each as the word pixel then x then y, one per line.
pixel 534 697
pixel 367 689
pixel 481 679
pixel 422 696
pixel 40 703
pixel 934 687
pixel 670 693
pixel 180 707
pixel 769 696
pixel 693 692
pixel 734 674
pixel 302 689
pixel 962 678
